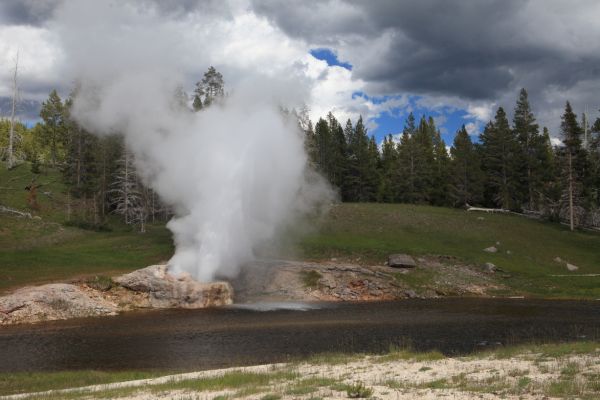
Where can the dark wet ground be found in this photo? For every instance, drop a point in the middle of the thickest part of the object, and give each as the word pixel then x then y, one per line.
pixel 204 339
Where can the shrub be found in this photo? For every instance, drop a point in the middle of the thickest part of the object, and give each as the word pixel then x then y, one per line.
pixel 359 391
pixel 100 282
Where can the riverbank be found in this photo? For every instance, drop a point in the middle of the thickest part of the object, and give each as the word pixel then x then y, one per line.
pixel 522 372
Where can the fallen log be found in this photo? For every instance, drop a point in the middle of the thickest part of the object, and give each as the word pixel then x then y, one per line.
pixel 9 210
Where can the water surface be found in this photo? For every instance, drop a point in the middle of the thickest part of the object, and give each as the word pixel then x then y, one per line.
pixel 242 335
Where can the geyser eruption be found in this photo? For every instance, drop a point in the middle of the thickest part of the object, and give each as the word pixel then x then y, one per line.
pixel 234 173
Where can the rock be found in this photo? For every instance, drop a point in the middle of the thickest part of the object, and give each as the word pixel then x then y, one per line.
pixel 491 249
pixel 480 218
pixel 411 294
pixel 572 267
pixel 558 260
pixel 489 268
pixel 51 302
pixel 401 261
pixel 508 252
pixel 168 291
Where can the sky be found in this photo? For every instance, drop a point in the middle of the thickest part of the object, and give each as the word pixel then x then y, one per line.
pixel 457 61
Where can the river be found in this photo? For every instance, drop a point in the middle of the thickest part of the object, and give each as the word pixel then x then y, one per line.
pixel 243 335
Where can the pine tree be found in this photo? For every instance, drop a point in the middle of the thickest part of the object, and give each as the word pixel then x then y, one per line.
pixel 406 172
pixel 337 152
pixel 423 160
pixel 389 160
pixel 212 86
pixel 441 175
pixel 500 159
pixel 466 176
pixel 80 169
pixel 197 102
pixel 532 147
pixel 53 132
pixel 572 163
pixel 323 142
pixel 364 165
pixel 550 190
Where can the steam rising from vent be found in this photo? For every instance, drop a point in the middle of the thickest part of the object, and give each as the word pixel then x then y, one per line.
pixel 234 173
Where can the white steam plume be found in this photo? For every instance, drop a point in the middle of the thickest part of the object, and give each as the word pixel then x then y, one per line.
pixel 234 173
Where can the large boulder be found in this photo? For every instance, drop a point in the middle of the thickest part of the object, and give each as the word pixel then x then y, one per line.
pixel 51 302
pixel 401 261
pixel 167 291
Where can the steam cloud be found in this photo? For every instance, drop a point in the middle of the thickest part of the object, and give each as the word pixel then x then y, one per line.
pixel 234 173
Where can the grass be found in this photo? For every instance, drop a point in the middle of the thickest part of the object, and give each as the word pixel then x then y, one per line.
pixel 310 279
pixel 544 350
pixel 359 391
pixel 396 353
pixel 43 250
pixel 370 232
pixel 309 385
pixel 19 382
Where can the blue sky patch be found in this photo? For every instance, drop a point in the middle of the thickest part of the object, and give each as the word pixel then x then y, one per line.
pixel 330 58
pixel 448 120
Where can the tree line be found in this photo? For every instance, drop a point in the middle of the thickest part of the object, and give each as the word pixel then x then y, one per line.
pixel 511 166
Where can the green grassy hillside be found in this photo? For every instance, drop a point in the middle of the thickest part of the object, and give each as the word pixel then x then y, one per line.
pixel 41 250
pixel 372 231
pixel 44 250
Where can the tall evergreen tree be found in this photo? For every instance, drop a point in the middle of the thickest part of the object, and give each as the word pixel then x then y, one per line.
pixel 323 143
pixel 532 147
pixel 500 158
pixel 389 160
pixel 211 88
pixel 573 167
pixel 466 176
pixel 423 160
pixel 53 131
pixel 550 190
pixel 406 179
pixel 441 174
pixel 338 149
pixel 80 171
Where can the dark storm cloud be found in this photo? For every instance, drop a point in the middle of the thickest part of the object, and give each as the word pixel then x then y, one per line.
pixel 37 12
pixel 26 12
pixel 471 49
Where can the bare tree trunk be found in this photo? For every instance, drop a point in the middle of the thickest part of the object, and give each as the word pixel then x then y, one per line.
pixel 571 222
pixel 11 136
pixel 153 207
pixel 95 211
pixel 126 186
pixel 78 173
